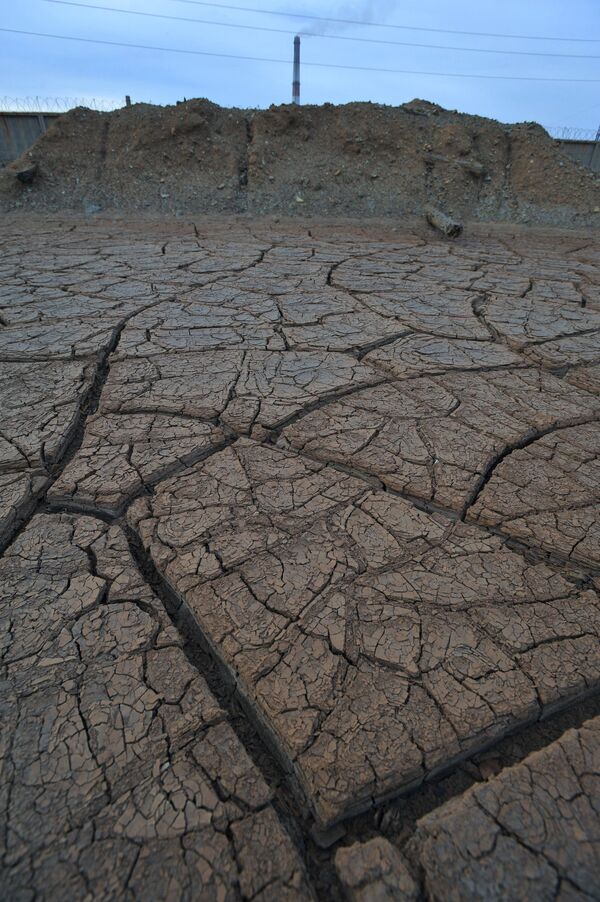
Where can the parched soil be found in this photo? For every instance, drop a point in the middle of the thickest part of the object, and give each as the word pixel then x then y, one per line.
pixel 355 159
pixel 299 560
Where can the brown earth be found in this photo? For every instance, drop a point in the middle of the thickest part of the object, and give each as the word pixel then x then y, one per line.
pixel 299 561
pixel 355 159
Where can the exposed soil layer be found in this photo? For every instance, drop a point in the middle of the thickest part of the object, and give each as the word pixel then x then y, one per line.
pixel 358 158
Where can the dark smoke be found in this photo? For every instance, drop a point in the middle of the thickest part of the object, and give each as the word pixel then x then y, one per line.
pixel 362 12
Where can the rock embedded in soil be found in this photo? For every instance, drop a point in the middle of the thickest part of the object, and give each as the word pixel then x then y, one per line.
pixel 27 174
pixel 443 223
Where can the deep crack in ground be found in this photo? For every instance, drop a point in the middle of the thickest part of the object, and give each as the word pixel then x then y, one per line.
pixel 299 555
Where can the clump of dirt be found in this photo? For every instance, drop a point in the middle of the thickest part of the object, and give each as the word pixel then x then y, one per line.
pixel 354 159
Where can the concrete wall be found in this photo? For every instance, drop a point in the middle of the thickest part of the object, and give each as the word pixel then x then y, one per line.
pixel 585 152
pixel 18 131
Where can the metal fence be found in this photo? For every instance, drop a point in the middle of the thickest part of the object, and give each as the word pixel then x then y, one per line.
pixel 24 119
pixel 18 131
pixel 568 133
pixel 587 153
pixel 57 104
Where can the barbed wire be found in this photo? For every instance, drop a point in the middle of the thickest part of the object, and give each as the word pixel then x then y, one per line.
pixel 39 104
pixel 569 133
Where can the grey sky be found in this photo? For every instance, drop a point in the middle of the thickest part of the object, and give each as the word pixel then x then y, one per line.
pixel 40 66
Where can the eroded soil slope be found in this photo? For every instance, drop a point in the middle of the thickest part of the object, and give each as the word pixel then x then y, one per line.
pixel 358 158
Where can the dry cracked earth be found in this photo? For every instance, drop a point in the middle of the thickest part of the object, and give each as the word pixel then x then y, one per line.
pixel 300 569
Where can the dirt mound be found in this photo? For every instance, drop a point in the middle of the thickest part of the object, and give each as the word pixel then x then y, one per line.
pixel 359 158
pixel 136 158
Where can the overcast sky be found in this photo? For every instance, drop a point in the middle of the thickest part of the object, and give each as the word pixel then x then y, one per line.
pixel 49 67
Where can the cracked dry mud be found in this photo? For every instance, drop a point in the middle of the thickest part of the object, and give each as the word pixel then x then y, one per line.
pixel 300 570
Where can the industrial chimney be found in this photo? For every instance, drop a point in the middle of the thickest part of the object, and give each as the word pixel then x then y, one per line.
pixel 296 81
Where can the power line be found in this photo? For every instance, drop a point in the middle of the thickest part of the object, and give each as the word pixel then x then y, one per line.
pixel 262 59
pixel 333 37
pixel 476 34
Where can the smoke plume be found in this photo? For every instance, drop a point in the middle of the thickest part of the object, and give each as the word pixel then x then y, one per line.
pixel 361 12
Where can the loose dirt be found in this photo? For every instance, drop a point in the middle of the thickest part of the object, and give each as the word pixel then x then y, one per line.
pixel 356 159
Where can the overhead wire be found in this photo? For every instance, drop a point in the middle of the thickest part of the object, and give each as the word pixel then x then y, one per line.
pixel 296 15
pixel 334 37
pixel 259 59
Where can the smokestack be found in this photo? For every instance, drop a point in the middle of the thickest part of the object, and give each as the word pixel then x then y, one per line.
pixel 296 81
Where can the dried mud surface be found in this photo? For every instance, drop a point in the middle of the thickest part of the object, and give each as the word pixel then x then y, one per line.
pixel 352 159
pixel 299 568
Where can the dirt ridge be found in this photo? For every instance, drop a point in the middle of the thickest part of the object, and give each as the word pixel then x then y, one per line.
pixel 353 159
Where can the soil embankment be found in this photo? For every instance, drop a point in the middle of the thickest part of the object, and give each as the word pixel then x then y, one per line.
pixel 355 159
